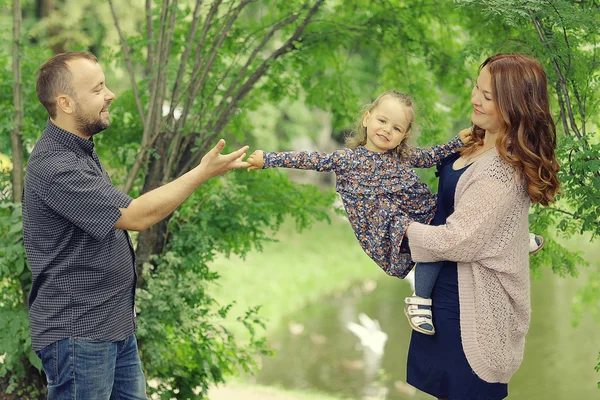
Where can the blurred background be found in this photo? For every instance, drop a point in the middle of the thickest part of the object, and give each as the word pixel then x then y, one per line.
pixel 255 288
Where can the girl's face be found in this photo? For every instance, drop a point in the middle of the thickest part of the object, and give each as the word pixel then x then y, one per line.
pixel 387 125
pixel 485 112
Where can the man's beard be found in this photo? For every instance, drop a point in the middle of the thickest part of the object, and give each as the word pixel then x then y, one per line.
pixel 89 124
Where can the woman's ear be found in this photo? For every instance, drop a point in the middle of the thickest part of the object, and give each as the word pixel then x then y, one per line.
pixel 365 120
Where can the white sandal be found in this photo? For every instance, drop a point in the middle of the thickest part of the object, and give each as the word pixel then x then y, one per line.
pixel 418 316
pixel 536 243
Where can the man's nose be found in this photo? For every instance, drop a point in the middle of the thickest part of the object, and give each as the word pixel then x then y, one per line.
pixel 110 96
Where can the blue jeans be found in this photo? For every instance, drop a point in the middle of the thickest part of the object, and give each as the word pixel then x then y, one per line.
pixel 85 369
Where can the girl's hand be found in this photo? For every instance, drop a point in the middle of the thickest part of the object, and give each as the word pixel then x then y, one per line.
pixel 256 160
pixel 465 135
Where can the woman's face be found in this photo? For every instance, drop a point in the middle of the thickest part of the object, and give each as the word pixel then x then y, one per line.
pixel 485 113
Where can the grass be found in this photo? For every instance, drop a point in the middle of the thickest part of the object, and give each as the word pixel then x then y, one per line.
pixel 283 393
pixel 288 274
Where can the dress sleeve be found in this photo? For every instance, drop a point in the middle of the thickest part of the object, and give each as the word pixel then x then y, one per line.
pixel 483 224
pixel 426 158
pixel 322 162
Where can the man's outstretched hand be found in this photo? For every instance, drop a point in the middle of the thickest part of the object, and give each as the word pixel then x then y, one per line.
pixel 214 163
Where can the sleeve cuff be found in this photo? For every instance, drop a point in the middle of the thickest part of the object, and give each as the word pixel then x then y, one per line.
pixel 105 225
pixel 416 240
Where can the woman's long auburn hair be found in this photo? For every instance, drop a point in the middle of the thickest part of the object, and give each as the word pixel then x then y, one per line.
pixel 527 138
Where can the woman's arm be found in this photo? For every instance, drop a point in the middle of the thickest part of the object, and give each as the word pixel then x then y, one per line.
pixel 485 221
pixel 322 162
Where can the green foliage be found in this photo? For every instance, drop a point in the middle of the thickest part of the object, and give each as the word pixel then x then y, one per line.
pixel 185 345
pixel 348 53
pixel 597 368
pixel 15 281
pixel 34 116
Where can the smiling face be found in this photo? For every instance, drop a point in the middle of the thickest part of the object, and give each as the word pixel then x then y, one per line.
pixel 91 100
pixel 485 111
pixel 387 124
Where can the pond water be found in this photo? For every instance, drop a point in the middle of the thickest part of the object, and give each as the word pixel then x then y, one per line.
pixel 317 350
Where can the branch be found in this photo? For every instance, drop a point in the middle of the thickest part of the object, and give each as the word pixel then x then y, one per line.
pixel 249 84
pixel 244 47
pixel 566 39
pixel 195 86
pixel 127 56
pixel 150 38
pixel 261 70
pixel 561 79
pixel 184 60
pixel 156 97
pixel 16 140
pixel 216 45
pixel 581 107
pixel 197 65
pixel 274 28
pixel 563 112
pixel 564 100
pixel 174 156
pixel 570 214
pixel 253 57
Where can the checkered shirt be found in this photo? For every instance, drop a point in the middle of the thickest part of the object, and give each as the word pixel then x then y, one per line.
pixel 83 268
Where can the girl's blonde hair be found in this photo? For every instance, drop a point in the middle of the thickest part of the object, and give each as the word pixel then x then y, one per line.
pixel 358 137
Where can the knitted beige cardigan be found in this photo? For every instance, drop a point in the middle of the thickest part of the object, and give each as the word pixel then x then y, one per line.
pixel 488 236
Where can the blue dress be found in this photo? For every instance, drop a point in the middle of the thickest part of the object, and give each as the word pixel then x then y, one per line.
pixel 437 364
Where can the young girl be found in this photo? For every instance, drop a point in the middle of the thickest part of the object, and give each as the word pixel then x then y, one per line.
pixel 380 191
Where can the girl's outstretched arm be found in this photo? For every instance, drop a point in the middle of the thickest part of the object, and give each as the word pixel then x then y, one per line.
pixel 322 162
pixel 426 158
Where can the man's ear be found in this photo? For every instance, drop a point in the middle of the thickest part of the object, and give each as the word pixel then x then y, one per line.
pixel 365 120
pixel 65 103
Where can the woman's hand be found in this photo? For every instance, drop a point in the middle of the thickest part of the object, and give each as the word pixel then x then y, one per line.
pixel 256 160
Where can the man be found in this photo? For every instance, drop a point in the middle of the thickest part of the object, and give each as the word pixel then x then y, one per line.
pixel 75 222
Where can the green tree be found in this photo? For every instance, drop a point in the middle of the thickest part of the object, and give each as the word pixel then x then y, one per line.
pixel 196 71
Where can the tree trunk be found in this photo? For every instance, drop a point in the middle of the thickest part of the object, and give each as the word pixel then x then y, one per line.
pixel 15 133
pixel 43 8
pixel 152 240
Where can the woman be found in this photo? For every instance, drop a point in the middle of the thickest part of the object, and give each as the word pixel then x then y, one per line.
pixel 481 298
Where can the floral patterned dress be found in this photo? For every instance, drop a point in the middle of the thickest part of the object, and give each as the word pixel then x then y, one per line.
pixel 381 193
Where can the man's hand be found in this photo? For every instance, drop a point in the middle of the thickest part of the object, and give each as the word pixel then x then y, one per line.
pixel 256 160
pixel 214 163
pixel 156 204
pixel 465 135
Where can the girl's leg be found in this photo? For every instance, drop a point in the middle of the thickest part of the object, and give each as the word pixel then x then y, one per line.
pixel 425 276
pixel 418 309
